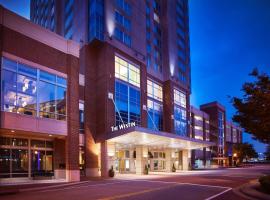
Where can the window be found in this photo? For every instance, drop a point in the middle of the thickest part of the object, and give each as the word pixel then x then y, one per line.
pixel 96 20
pixel 180 116
pixel 124 5
pixel 81 116
pixel 180 98
pixel 155 110
pixel 126 71
pixel 30 91
pixel 122 37
pixel 122 20
pixel 154 90
pixel 128 103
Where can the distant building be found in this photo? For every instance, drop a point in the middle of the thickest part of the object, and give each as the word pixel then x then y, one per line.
pixel 200 129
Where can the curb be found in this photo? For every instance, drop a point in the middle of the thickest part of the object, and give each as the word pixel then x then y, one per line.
pixel 249 191
pixel 15 191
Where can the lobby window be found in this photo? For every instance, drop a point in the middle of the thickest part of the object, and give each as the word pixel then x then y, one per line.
pixel 154 105
pixel 126 71
pixel 30 91
pixel 180 98
pixel 180 115
pixel 127 92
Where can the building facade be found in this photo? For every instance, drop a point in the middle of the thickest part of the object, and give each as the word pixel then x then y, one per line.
pixel 200 129
pixel 71 108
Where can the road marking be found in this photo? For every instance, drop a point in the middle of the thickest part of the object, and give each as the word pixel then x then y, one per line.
pixel 77 187
pixel 181 183
pixel 216 195
pixel 136 193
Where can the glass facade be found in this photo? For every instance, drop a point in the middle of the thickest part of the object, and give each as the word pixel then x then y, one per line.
pixel 30 91
pixel 180 114
pixel 96 20
pixel 68 14
pixel 123 22
pixel 127 92
pixel 154 105
pixel 15 154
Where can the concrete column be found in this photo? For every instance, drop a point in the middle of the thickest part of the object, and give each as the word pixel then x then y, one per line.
pixel 186 159
pixel 169 160
pixel 107 158
pixel 141 159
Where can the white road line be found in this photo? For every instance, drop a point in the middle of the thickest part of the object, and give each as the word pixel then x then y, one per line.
pixel 77 187
pixel 181 183
pixel 216 195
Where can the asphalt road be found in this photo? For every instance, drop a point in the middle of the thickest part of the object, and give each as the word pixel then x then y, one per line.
pixel 202 185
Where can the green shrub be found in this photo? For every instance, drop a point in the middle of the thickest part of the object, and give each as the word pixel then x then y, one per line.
pixel 173 168
pixel 145 170
pixel 265 183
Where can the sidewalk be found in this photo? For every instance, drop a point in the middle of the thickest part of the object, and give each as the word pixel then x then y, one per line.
pixel 250 191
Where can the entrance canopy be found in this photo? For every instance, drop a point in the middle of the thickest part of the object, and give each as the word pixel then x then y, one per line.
pixel 135 136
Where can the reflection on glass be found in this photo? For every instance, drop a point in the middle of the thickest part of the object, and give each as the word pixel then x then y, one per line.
pixel 19 163
pixel 61 103
pixel 42 163
pixel 37 143
pixel 47 99
pixel 9 87
pixel 4 163
pixel 19 142
pixel 20 88
pixel 26 96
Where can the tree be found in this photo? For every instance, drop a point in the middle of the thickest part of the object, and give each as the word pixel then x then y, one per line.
pixel 244 150
pixel 253 109
pixel 267 153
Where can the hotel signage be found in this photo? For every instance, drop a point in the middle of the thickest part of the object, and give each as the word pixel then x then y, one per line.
pixel 123 126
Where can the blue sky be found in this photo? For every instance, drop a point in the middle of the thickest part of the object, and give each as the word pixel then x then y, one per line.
pixel 228 38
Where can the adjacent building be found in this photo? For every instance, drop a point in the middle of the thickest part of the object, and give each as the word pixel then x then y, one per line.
pixel 200 129
pixel 111 92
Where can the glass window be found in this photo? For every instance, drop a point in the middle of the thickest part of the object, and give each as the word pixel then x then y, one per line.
pixel 4 163
pixel 180 123
pixel 9 64
pixel 127 100
pixel 127 71
pixel 154 90
pixel 180 98
pixel 9 88
pixel 26 95
pixel 27 70
pixel 47 100
pixel 19 163
pixel 25 91
pixel 38 143
pixel 4 141
pixel 61 103
pixel 19 142
pixel 155 115
pixel 47 76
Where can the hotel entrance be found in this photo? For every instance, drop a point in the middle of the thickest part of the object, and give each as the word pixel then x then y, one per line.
pixel 136 149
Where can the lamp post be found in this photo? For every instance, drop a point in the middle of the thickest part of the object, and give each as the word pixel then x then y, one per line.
pixel 234 158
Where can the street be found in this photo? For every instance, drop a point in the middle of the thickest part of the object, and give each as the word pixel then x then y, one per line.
pixel 208 184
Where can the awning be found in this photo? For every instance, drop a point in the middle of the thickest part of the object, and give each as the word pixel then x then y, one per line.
pixel 135 136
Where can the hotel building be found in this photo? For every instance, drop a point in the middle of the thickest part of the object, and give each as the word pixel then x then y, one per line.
pixel 73 108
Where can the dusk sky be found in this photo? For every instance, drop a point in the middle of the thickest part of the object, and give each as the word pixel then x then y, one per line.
pixel 228 39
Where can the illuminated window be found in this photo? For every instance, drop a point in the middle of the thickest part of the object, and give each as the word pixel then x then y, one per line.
pixel 199 128
pixel 199 118
pixel 30 91
pixel 180 98
pixel 127 71
pixel 154 90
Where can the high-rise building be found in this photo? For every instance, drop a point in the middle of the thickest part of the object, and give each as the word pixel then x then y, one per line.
pixel 111 89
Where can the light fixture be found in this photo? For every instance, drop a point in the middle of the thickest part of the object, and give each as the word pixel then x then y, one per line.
pixel 12 131
pixel 50 135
